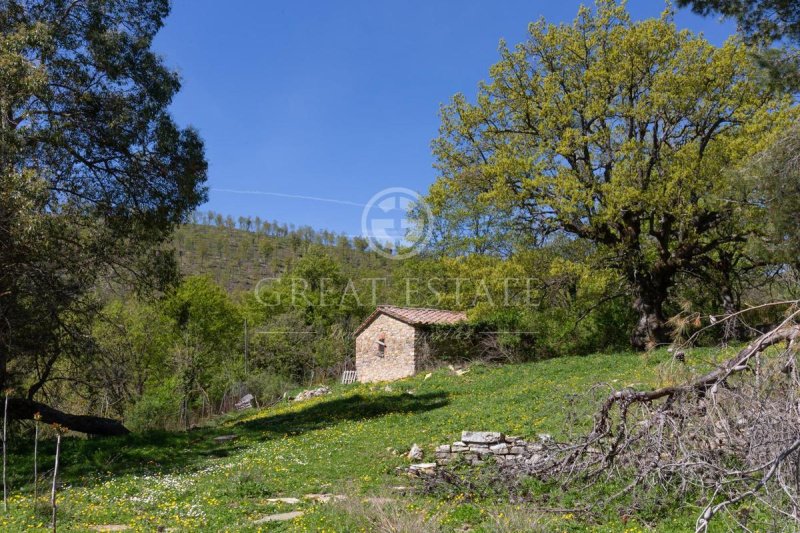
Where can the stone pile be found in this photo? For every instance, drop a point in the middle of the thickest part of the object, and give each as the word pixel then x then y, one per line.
pixel 312 393
pixel 475 447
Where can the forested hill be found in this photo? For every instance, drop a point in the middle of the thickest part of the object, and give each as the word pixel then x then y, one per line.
pixel 238 254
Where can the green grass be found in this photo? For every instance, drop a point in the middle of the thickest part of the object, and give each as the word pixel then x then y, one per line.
pixel 346 442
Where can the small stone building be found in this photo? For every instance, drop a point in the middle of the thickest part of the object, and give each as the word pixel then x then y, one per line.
pixel 390 342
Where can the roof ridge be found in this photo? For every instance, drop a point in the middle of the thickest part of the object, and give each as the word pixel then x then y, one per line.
pixel 385 306
pixel 415 315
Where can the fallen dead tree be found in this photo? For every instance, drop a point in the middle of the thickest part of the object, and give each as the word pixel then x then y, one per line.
pixel 729 436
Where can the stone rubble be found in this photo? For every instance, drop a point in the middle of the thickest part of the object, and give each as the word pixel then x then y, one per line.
pixel 475 447
pixel 312 393
pixel 422 469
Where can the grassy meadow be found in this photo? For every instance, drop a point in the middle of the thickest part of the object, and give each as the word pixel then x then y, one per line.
pixel 346 443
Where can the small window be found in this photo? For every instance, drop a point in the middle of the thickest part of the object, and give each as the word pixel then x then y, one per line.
pixel 381 344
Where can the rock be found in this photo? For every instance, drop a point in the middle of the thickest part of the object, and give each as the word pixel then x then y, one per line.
pixel 459 447
pixel 388 388
pixel 481 437
pixel 312 393
pixel 499 449
pixel 545 437
pixel 479 448
pixel 225 438
pixel 416 453
pixel 291 501
pixel 280 517
pixel 443 448
pixel 422 468
pixel 462 371
pixel 324 498
pixel 427 375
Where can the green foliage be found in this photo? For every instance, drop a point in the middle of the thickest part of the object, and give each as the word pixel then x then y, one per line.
pixel 770 20
pixel 619 133
pixel 267 386
pixel 158 408
pixel 94 176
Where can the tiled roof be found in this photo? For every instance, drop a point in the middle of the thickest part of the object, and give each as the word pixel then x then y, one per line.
pixel 415 316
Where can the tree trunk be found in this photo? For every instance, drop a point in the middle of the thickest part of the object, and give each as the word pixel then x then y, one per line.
pixel 651 327
pixel 23 409
pixel 731 330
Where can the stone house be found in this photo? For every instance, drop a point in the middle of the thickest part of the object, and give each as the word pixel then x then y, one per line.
pixel 390 343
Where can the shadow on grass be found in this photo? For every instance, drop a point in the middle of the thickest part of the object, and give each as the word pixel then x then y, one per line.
pixel 332 412
pixel 89 461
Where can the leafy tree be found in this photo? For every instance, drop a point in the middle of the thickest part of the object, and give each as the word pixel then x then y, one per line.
pixel 615 132
pixel 94 173
pixel 763 22
pixel 134 341
pixel 770 20
pixel 208 328
pixel 775 174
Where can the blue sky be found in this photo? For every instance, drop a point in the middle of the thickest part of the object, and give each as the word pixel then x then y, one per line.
pixel 338 100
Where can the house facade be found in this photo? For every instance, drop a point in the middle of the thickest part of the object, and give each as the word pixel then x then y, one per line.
pixel 390 342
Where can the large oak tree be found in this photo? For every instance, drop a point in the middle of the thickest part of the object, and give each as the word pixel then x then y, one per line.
pixel 94 175
pixel 618 132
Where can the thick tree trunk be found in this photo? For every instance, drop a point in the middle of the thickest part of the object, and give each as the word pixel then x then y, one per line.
pixel 24 409
pixel 651 327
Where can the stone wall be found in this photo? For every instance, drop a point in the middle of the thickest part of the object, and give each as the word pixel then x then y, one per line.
pixel 398 358
pixel 475 447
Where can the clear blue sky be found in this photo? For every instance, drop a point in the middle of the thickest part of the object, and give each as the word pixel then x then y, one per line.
pixel 338 99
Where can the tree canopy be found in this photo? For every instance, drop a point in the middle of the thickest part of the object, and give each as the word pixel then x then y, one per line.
pixel 620 133
pixel 95 174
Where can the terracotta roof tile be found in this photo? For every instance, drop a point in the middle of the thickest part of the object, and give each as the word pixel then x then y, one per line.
pixel 415 316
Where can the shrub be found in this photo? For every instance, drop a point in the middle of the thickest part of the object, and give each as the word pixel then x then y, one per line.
pixel 158 408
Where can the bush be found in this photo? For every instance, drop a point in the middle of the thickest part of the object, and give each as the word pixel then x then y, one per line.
pixel 267 386
pixel 158 408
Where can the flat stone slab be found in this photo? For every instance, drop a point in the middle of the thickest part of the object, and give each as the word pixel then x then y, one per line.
pixel 481 437
pixel 225 438
pixel 291 501
pixel 280 517
pixel 324 498
pixel 422 467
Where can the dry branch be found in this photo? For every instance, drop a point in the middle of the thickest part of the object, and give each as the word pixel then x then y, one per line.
pixel 714 440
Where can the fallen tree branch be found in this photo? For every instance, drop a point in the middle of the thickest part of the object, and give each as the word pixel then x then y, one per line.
pixel 713 440
pixel 24 409
pixel 786 332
